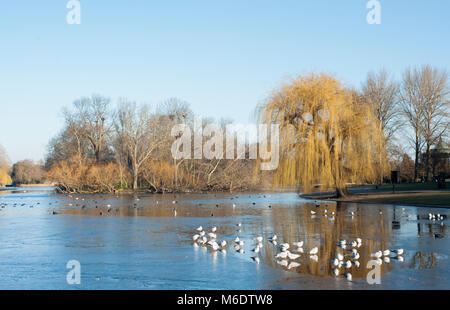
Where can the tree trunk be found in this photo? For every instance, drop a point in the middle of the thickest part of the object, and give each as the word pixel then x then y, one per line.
pixel 416 161
pixel 342 192
pixel 135 175
pixel 176 174
pixel 135 181
pixel 428 163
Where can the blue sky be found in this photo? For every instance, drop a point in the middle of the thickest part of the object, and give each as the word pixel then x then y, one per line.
pixel 223 57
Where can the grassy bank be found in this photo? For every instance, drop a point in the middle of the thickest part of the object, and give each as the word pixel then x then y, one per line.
pixel 414 194
pixel 434 199
pixel 430 186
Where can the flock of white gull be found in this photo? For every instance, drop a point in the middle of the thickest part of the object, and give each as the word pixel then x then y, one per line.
pixel 346 255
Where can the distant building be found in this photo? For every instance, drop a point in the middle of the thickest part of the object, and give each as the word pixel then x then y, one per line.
pixel 440 157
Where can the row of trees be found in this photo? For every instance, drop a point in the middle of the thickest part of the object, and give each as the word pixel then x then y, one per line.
pixel 415 108
pixel 105 148
pixel 330 135
pixel 28 172
pixel 333 135
pixel 22 172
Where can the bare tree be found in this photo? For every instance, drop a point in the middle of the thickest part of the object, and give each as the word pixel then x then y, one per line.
pixel 381 93
pixel 138 135
pixel 424 99
pixel 94 120
pixel 436 111
pixel 412 96
pixel 174 111
pixel 27 172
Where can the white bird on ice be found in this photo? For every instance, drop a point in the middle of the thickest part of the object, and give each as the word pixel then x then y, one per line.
pixel 284 245
pixel 293 265
pixel 355 256
pixel 399 251
pixel 298 244
pixel 292 256
pixel 212 235
pixel 282 255
pixel 259 239
pixel 283 263
pixel 314 251
pixel 377 254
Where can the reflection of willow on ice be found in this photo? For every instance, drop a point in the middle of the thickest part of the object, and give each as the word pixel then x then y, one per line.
pixel 424 260
pixel 328 135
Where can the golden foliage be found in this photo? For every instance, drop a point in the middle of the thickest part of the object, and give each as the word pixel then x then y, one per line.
pixel 103 177
pixel 4 178
pixel 159 175
pixel 328 136
pixel 78 176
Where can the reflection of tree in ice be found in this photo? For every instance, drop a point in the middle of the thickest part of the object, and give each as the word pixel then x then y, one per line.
pixel 424 260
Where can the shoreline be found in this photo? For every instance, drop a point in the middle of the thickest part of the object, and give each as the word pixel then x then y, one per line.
pixel 427 199
pixel 366 195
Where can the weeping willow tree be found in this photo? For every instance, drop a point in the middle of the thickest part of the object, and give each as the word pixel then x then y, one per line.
pixel 4 178
pixel 328 135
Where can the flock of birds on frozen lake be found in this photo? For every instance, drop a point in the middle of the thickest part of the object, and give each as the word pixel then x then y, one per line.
pixel 288 254
pixel 346 256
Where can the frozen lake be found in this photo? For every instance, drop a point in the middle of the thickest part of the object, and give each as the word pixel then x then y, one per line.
pixel 136 242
